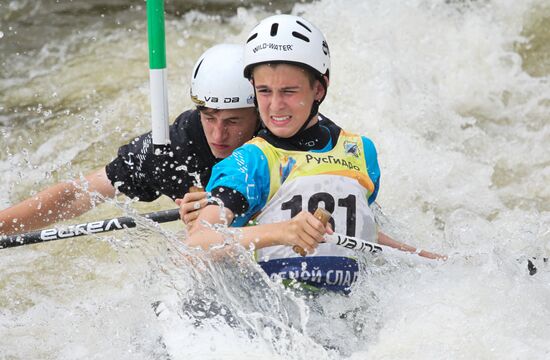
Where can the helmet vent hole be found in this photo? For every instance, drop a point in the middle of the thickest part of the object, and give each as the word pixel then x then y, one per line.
pixel 197 70
pixel 303 25
pixel 300 36
pixel 252 37
pixel 274 29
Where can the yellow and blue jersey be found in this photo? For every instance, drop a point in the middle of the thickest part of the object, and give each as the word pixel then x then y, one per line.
pixel 343 177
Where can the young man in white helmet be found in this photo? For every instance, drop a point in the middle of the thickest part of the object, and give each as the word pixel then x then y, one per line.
pixel 301 161
pixel 225 118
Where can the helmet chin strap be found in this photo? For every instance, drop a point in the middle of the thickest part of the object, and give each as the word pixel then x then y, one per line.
pixel 312 114
pixel 314 107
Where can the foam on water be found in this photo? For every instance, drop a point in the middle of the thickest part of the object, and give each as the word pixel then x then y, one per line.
pixel 455 96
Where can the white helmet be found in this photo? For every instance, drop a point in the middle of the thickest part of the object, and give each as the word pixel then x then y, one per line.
pixel 287 38
pixel 217 81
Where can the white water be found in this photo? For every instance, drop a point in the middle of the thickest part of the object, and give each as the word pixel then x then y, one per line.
pixel 455 96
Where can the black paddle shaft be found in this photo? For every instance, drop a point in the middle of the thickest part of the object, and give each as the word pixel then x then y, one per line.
pixel 94 227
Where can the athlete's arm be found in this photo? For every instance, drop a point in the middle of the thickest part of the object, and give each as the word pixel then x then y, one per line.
pixel 303 230
pixel 59 202
pixel 200 235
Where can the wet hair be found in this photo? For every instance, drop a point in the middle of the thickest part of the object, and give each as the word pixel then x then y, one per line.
pixel 205 109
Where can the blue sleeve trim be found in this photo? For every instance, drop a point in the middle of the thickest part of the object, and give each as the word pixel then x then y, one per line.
pixel 371 157
pixel 245 171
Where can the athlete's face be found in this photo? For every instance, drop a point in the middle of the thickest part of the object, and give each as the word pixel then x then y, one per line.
pixel 285 95
pixel 226 130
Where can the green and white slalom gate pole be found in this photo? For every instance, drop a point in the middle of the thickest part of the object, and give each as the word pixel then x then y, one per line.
pixel 157 75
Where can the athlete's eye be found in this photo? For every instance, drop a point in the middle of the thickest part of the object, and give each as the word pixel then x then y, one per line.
pixel 263 91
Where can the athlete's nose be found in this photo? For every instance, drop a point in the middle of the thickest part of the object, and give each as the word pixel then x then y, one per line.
pixel 219 131
pixel 277 101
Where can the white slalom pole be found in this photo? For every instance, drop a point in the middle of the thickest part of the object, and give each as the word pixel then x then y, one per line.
pixel 157 75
